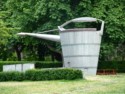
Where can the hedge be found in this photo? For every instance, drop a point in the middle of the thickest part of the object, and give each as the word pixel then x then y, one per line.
pixel 38 64
pixel 119 66
pixel 44 74
pixel 48 65
pixel 11 76
pixel 53 74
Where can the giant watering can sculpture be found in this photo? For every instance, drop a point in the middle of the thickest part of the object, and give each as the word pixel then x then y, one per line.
pixel 80 46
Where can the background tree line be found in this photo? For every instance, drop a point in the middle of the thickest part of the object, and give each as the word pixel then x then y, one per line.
pixel 39 15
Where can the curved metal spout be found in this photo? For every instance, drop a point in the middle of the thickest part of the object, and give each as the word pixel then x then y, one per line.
pixel 42 36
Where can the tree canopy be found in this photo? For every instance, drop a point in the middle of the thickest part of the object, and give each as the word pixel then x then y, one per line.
pixel 39 15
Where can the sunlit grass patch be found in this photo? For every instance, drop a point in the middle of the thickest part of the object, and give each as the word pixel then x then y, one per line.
pixel 108 84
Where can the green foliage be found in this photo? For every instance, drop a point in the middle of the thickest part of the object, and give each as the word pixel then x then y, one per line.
pixel 40 15
pixel 3 25
pixel 11 76
pixel 112 12
pixel 44 74
pixel 47 65
pixel 119 66
pixel 53 74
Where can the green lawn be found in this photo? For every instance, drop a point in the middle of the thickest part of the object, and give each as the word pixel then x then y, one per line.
pixel 114 84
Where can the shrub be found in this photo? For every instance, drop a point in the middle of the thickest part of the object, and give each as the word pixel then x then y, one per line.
pixel 48 65
pixel 11 76
pixel 44 74
pixel 53 74
pixel 119 66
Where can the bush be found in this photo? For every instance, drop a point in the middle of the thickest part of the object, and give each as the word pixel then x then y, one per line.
pixel 44 74
pixel 48 65
pixel 119 66
pixel 53 74
pixel 11 76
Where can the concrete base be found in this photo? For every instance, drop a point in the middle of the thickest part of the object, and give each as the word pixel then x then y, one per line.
pixel 87 71
pixel 18 67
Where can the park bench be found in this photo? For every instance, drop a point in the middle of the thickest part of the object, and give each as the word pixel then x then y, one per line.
pixel 106 72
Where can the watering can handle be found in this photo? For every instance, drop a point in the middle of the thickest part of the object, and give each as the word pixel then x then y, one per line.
pixel 83 19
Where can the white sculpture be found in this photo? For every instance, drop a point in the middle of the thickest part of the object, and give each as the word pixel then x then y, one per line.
pixel 80 47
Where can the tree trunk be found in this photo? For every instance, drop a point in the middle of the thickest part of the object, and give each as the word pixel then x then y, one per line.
pixel 18 48
pixel 18 55
pixel 41 53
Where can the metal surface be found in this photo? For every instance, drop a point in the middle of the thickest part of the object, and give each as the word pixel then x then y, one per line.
pixel 81 47
pixel 42 36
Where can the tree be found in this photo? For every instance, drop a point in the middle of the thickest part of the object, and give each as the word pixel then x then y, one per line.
pixel 112 12
pixel 3 25
pixel 40 15
pixel 7 31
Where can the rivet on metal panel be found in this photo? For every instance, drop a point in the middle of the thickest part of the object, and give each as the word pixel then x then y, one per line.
pixel 68 64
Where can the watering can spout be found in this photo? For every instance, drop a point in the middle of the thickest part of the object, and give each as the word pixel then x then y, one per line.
pixel 55 38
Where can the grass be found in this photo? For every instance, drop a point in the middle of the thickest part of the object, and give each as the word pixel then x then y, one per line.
pixel 113 84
